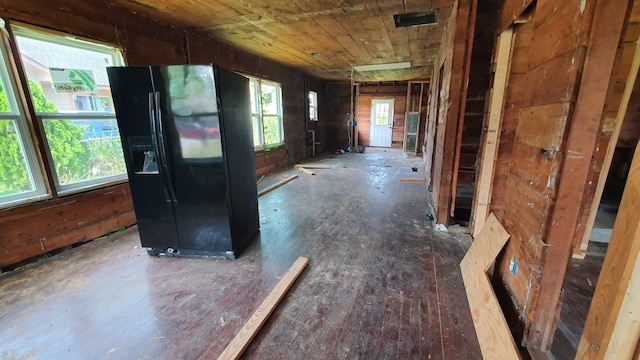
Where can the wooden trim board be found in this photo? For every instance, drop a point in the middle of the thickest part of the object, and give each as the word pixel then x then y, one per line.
pixel 494 335
pixel 492 136
pixel 419 180
pixel 612 329
pixel 277 185
pixel 308 172
pixel 315 166
pixel 606 164
pixel 250 329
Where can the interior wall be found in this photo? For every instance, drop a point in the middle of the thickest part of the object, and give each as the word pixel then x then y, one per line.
pixel 471 130
pixel 446 104
pixel 629 132
pixel 338 109
pixel 368 92
pixel 145 41
pixel 539 128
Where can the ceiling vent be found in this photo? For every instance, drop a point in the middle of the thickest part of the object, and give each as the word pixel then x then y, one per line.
pixel 428 17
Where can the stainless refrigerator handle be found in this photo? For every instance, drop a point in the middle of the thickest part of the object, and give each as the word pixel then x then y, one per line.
pixel 163 151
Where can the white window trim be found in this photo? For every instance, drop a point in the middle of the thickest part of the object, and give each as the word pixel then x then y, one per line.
pixel 258 96
pixel 24 134
pixel 27 31
pixel 314 95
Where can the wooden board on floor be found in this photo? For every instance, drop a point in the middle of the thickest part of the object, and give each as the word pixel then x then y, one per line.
pixel 494 335
pixel 315 166
pixel 237 346
pixel 277 185
pixel 612 329
pixel 419 180
pixel 308 172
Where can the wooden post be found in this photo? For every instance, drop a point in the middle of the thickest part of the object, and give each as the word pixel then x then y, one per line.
pixel 612 330
pixel 606 164
pixel 492 136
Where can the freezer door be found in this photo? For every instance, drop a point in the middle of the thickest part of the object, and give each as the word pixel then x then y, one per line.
pixel 190 127
pixel 134 101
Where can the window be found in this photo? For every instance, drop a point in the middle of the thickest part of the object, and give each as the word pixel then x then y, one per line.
pixel 266 113
pixel 70 91
pixel 313 106
pixel 21 178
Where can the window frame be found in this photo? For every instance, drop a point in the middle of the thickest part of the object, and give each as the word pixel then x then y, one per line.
pixel 258 114
pixel 313 105
pixel 117 59
pixel 18 116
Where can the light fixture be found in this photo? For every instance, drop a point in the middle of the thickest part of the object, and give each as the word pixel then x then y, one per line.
pixel 314 54
pixel 389 66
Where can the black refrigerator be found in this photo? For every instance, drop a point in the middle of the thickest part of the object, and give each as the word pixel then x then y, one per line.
pixel 188 145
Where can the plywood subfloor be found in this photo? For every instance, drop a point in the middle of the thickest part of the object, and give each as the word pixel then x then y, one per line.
pixel 380 283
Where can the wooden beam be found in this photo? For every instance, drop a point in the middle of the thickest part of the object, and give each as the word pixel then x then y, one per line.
pixel 492 135
pixel 494 336
pixel 277 185
pixel 581 142
pixel 418 180
pixel 315 166
pixel 260 180
pixel 308 172
pixel 606 164
pixel 612 329
pixel 250 329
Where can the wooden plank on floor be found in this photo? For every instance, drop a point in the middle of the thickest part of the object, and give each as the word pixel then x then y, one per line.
pixel 612 329
pixel 494 335
pixel 237 346
pixel 418 180
pixel 308 172
pixel 277 185
pixel 316 166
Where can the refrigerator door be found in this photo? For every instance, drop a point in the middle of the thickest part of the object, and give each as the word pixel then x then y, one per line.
pixel 134 101
pixel 190 132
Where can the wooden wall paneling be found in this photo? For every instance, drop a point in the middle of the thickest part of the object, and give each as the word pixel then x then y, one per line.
pixel 491 143
pixel 612 329
pixel 470 29
pixel 454 51
pixel 598 67
pixel 338 103
pixel 511 11
pixel 630 87
pixel 494 335
pixel 35 229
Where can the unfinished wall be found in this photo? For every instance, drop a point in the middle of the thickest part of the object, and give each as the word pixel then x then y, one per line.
pixel 38 228
pixel 471 128
pixel 546 144
pixel 629 131
pixel 338 107
pixel 446 103
pixel 387 90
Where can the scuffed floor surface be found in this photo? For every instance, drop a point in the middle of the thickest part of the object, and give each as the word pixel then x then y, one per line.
pixel 380 283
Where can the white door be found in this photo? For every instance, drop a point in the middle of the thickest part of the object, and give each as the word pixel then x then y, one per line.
pixel 381 122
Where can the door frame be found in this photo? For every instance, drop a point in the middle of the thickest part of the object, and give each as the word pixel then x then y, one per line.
pixel 374 102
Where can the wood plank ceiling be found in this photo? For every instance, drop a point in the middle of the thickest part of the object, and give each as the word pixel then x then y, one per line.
pixel 342 33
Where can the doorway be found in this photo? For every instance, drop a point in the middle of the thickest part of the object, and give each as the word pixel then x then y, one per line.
pixel 381 122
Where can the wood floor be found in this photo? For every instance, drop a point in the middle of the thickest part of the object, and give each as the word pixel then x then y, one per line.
pixel 380 283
